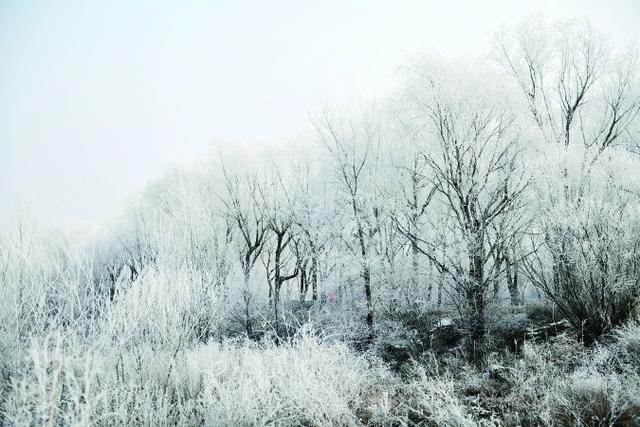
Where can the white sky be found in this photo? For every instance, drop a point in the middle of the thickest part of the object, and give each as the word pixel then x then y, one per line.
pixel 99 97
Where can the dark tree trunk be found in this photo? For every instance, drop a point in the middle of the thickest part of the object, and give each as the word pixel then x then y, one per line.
pixel 366 270
pixel 499 259
pixel 304 285
pixel 475 298
pixel 414 265
pixel 247 301
pixel 512 281
pixel 477 323
pixel 366 274
pixel 314 278
pixel 276 306
pixel 279 278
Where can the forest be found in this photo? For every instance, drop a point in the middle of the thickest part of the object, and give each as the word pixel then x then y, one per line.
pixel 463 252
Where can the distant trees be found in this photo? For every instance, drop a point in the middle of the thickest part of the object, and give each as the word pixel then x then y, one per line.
pixel 475 179
pixel 277 206
pixel 352 144
pixel 314 209
pixel 413 187
pixel 241 201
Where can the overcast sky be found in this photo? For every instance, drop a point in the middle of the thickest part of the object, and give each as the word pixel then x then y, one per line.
pixel 99 97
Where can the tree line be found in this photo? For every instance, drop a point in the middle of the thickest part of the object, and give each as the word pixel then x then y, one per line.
pixel 474 182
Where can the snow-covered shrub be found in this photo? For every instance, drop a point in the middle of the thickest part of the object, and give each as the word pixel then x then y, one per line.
pixel 628 343
pixel 431 400
pixel 163 307
pixel 305 381
pixel 587 397
pixel 534 374
pixel 562 382
pixel 58 386
pixel 587 261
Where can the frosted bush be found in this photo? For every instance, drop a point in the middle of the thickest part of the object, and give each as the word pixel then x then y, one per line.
pixel 58 387
pixel 304 382
pixel 628 342
pixel 426 399
pixel 165 307
pixel 229 383
pixel 587 397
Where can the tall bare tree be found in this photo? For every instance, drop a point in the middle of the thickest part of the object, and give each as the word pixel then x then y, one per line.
pixel 352 144
pixel 277 206
pixel 242 208
pixel 578 90
pixel 584 97
pixel 474 165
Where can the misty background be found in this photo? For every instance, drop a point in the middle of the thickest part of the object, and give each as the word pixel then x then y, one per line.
pixel 99 98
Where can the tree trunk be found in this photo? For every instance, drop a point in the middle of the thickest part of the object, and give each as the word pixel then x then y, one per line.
pixel 414 264
pixel 496 283
pixel 276 305
pixel 476 324
pixel 314 278
pixel 247 301
pixel 430 284
pixel 475 298
pixel 279 278
pixel 366 271
pixel 304 286
pixel 512 281
pixel 366 274
pixel 414 222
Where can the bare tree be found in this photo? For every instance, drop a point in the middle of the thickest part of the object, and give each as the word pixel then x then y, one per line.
pixel 584 98
pixel 475 168
pixel 313 208
pixel 277 206
pixel 577 90
pixel 413 187
pixel 352 145
pixel 242 208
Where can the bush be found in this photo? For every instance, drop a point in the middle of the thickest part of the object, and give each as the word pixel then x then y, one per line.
pixel 589 263
pixel 507 328
pixel 541 313
pixel 628 343
pixel 590 398
pixel 563 383
pixel 305 381
pixel 428 400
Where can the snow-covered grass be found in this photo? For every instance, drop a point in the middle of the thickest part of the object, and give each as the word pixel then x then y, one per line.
pixel 306 381
pixel 168 349
pixel 146 362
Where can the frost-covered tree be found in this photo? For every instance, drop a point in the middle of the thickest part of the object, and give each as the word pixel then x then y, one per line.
pixel 241 201
pixel 584 99
pixel 411 189
pixel 277 206
pixel 352 144
pixel 475 167
pixel 314 213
